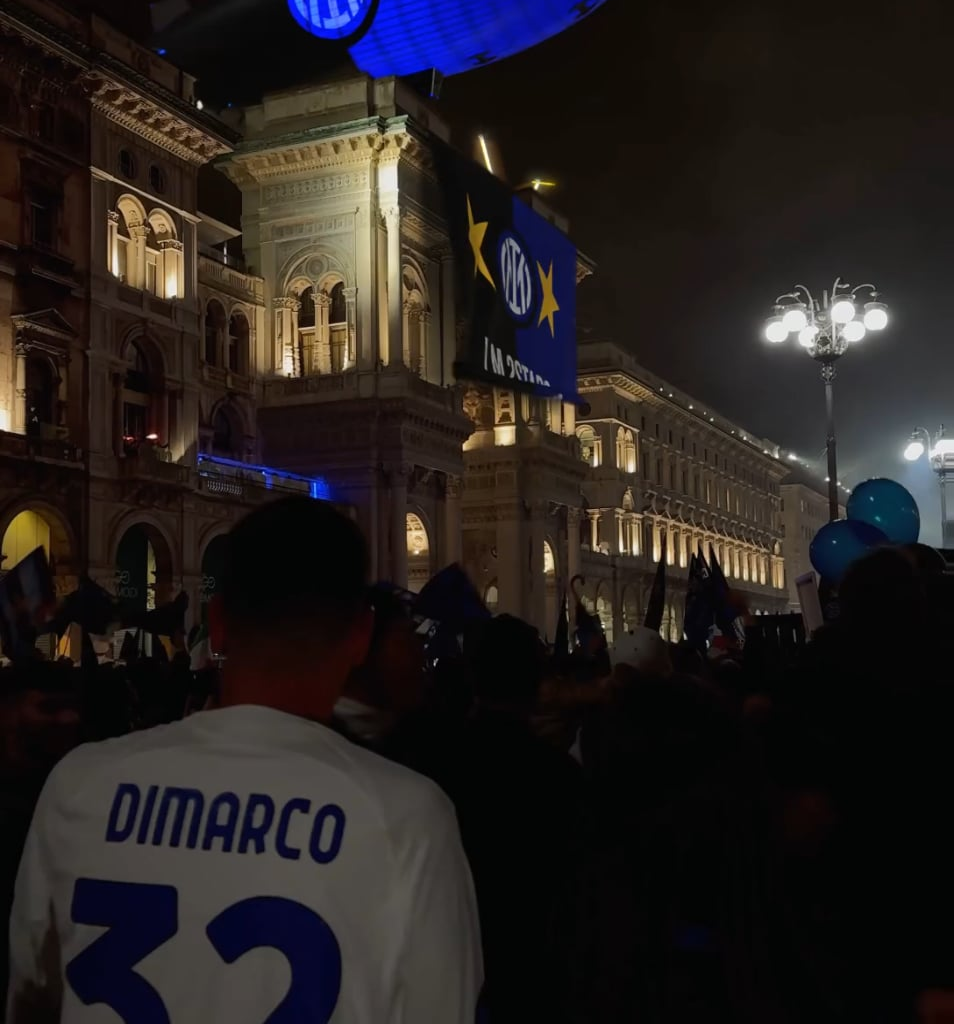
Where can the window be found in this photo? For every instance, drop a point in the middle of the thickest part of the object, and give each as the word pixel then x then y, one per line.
pixel 338 327
pixel 659 471
pixel 657 429
pixel 157 179
pixel 42 223
pixel 685 482
pixel 238 343
pixel 670 437
pixel 214 326
pixel 127 164
pixel 222 434
pixel 40 391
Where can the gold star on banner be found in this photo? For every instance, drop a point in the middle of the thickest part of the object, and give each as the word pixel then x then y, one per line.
pixel 549 305
pixel 476 232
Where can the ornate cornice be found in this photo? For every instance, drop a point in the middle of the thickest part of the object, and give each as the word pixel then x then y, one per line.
pixel 151 120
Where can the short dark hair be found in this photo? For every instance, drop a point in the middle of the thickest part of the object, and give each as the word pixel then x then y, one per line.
pixel 291 561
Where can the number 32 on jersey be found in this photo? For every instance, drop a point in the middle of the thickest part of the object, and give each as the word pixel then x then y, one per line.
pixel 140 918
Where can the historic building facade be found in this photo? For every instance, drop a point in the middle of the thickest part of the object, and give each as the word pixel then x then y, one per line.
pixel 156 364
pixel 665 466
pixel 343 216
pixel 130 354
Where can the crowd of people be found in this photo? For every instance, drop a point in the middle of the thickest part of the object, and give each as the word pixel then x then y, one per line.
pixel 650 833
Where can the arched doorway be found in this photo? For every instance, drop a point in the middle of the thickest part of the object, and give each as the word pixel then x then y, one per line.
pixel 143 577
pixel 418 553
pixel 32 528
pixel 213 565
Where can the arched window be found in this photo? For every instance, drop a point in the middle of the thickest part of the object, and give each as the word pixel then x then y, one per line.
pixel 214 329
pixel 238 343
pixel 306 315
pixel 137 392
pixel 416 319
pixel 41 398
pixel 338 328
pixel 223 437
pixel 591 446
pixel 620 448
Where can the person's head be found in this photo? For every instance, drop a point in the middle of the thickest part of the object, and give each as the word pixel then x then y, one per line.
pixel 645 650
pixel 392 676
pixel 508 660
pixel 294 609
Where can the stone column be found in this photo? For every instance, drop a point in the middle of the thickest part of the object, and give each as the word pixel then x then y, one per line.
pixel 512 567
pixel 351 350
pixel 170 269
pixel 398 482
pixel 19 397
pixel 286 335
pixel 619 532
pixel 453 540
pixel 448 318
pixel 112 242
pixel 424 327
pixel 536 578
pixel 572 543
pixel 392 217
pixel 594 514
pixel 321 346
pixel 136 258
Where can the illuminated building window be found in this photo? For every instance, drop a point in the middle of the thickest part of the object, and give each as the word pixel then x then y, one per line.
pixel 591 446
pixel 143 251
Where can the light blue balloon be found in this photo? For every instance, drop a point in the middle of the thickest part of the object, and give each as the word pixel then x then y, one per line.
pixel 888 506
pixel 838 544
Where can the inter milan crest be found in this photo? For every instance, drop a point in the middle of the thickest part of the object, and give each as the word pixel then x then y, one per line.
pixel 517 284
pixel 332 19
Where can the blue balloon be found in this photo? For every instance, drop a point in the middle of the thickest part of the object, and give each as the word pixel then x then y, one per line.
pixel 888 506
pixel 838 544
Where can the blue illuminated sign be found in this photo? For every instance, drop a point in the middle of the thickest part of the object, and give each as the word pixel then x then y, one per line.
pixel 403 37
pixel 331 19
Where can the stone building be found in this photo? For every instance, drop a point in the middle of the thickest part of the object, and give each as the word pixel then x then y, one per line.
pixel 662 464
pixel 130 345
pixel 804 512
pixel 343 216
pixel 157 365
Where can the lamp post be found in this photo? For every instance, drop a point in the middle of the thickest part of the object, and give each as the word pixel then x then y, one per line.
pixel 940 453
pixel 825 330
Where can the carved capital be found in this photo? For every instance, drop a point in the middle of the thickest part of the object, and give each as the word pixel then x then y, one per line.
pixel 286 302
pixel 573 517
pixel 113 217
pixel 170 243
pixel 350 294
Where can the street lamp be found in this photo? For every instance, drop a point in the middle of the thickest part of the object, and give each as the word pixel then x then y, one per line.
pixel 940 453
pixel 825 330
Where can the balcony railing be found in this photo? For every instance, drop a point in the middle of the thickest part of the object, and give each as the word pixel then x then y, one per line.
pixel 144 465
pixel 234 479
pixel 230 278
pixel 52 448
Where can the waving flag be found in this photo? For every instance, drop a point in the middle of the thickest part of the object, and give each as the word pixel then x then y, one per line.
pixel 657 596
pixel 516 284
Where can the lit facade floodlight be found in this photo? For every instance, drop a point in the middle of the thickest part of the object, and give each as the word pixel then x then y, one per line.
pixel 807 336
pixel 854 330
pixel 914 450
pixel 775 330
pixel 876 316
pixel 842 310
pixel 795 319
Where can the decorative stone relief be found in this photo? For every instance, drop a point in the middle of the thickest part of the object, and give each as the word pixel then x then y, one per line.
pixel 317 186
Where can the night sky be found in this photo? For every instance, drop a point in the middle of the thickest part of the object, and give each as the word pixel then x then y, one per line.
pixel 712 155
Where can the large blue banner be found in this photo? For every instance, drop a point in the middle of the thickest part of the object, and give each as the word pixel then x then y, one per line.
pixel 402 37
pixel 517 285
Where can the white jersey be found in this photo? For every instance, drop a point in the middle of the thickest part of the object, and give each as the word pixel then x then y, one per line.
pixel 244 866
